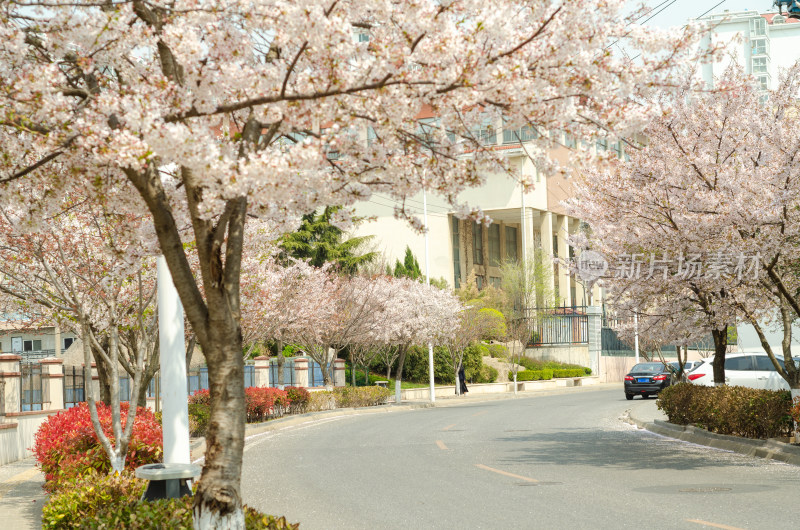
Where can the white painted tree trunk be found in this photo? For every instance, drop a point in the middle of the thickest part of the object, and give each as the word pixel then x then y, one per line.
pixel 515 383
pixel 210 520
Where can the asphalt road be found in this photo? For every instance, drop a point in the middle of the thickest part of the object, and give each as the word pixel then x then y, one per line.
pixel 558 461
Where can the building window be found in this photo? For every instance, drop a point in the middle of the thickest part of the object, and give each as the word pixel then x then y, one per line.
pixel 523 134
pixel 479 282
pixel 477 244
pixel 758 47
pixel 569 141
pixel 602 144
pixel 68 342
pixel 31 345
pixel 456 255
pixel 763 82
pixel 758 27
pixel 494 245
pixel 555 245
pixel 760 65
pixel 511 243
pixel 495 281
pixel 362 36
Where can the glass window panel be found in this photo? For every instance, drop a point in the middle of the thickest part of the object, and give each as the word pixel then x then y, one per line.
pixel 477 244
pixel 511 243
pixel 494 245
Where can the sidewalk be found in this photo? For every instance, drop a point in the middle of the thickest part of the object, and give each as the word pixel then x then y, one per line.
pixel 645 415
pixel 21 495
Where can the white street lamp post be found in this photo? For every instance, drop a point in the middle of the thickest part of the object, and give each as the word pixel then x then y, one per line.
pixel 175 407
pixel 428 282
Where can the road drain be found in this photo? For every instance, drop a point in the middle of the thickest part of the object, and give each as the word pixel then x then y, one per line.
pixel 712 489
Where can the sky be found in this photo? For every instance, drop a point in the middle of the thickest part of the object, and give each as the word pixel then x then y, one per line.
pixel 668 13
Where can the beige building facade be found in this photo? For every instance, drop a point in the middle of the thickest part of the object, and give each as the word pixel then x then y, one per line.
pixel 521 224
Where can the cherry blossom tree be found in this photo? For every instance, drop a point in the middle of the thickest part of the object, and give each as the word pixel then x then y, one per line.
pixel 701 225
pixel 87 269
pixel 213 111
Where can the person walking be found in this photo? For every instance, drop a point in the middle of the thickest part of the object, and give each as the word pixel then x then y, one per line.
pixel 462 379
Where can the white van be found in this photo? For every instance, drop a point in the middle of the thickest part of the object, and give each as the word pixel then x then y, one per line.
pixel 753 370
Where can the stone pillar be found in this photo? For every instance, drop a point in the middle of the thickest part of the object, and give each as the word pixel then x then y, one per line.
pixel 546 237
pixel 595 322
pixel 300 371
pixel 10 381
pixel 564 280
pixel 262 371
pixel 338 372
pixel 53 383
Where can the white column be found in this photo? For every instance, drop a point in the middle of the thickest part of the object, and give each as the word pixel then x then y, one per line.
pixel 428 282
pixel 175 408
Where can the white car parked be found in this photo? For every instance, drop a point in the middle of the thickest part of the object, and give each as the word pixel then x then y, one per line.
pixel 753 370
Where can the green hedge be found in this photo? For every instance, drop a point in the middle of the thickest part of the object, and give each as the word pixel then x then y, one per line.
pixel 360 396
pixel 733 410
pixel 112 501
pixel 571 372
pixel 531 375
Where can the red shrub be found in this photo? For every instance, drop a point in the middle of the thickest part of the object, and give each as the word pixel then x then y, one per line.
pixel 67 447
pixel 298 398
pixel 263 403
pixel 201 397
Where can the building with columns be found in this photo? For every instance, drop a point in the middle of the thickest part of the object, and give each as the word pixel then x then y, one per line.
pixel 520 225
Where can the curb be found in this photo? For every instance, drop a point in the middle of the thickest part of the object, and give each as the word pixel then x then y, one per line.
pixel 770 449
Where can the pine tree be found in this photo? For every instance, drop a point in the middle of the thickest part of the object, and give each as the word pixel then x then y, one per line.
pixel 320 242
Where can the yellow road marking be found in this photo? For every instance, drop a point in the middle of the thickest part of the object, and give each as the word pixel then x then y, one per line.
pixel 441 445
pixel 715 525
pixel 479 413
pixel 506 473
pixel 449 427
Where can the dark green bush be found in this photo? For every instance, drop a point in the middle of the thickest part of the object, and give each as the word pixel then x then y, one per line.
pixel 199 414
pixel 488 374
pixel 531 375
pixel 733 410
pixel 110 501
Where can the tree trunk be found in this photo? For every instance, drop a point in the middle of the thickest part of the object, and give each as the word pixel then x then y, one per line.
pixel 280 361
pixel 720 348
pixel 103 374
pixel 458 382
pixel 366 374
pixel 217 503
pixel 401 359
pixel 352 374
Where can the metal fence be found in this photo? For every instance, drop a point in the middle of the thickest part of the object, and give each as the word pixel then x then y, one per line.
pixel 197 379
pixel 74 386
pixel 31 388
pixel 562 325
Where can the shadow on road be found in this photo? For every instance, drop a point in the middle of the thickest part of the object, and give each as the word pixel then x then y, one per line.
pixel 627 450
